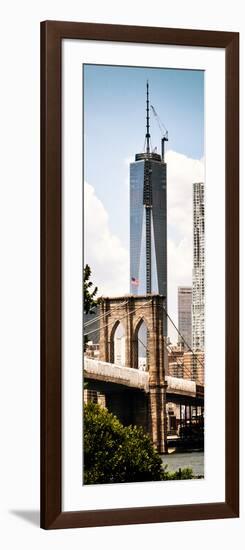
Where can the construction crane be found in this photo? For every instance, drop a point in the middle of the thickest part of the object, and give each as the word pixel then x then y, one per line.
pixel 163 130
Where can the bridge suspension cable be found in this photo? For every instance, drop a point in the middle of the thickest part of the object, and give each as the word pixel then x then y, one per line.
pixel 145 304
pixel 182 337
pixel 91 321
pixel 187 371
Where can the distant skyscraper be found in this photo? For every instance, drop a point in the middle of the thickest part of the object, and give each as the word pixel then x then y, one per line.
pixel 148 219
pixel 198 297
pixel 185 315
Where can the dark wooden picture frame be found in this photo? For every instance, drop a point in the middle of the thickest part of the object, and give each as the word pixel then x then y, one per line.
pixel 52 33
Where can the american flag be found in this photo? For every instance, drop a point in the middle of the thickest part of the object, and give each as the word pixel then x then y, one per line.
pixel 134 281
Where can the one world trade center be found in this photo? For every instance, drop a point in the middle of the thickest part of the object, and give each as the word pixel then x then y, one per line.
pixel 148 218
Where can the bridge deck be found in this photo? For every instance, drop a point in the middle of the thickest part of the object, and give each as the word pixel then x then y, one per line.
pixel 135 378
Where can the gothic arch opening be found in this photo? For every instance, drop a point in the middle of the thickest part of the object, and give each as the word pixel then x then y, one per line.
pixel 141 346
pixel 117 344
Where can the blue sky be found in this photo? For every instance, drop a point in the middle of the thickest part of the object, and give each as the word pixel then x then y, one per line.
pixel 114 130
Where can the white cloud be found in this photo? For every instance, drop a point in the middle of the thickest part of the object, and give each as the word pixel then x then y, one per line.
pixel 182 172
pixel 103 251
pixel 128 160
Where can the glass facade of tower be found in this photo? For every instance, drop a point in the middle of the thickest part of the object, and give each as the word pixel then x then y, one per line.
pixel 148 225
pixel 137 235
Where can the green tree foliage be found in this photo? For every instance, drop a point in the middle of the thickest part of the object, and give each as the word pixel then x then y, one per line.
pixel 117 454
pixel 181 473
pixel 89 293
pixel 114 453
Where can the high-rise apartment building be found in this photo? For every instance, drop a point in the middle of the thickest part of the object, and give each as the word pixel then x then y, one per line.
pixel 198 295
pixel 185 316
pixel 148 219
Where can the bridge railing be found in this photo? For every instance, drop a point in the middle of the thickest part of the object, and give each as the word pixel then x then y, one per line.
pixel 132 377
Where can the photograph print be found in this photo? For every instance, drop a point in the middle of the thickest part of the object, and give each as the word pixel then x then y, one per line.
pixel 144 274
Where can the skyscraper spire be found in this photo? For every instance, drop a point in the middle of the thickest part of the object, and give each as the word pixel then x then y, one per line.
pixel 147 119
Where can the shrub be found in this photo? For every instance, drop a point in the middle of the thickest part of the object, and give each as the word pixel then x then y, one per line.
pixel 114 453
pixel 181 473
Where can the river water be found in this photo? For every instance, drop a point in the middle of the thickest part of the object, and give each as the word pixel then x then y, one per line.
pixel 194 460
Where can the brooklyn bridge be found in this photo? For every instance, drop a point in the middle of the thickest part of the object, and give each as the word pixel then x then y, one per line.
pixel 140 396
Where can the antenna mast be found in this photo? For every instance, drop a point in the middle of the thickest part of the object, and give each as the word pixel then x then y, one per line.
pixel 147 119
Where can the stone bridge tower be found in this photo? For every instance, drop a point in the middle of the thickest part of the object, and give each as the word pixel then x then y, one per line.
pixel 131 312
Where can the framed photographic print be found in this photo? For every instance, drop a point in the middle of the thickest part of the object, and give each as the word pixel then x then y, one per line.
pixel 139 274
